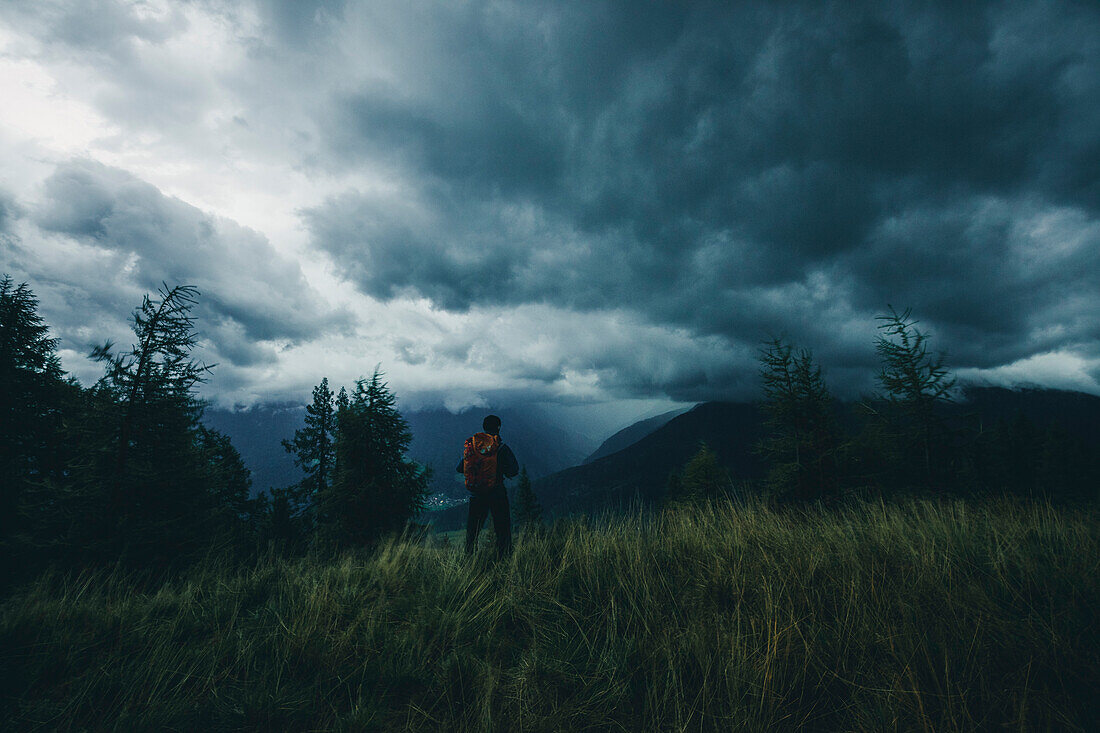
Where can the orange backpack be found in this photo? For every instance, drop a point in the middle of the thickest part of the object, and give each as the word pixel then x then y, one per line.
pixel 479 462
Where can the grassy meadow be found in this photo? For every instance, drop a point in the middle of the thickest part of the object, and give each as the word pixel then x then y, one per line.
pixel 910 616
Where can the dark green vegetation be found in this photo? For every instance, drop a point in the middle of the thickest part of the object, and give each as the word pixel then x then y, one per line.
pixel 358 483
pixel 526 512
pixel 912 616
pixel 754 587
pixel 1037 443
pixel 125 472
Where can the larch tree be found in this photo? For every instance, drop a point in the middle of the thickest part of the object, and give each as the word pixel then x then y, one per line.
pixel 160 496
pixel 915 385
pixel 153 380
pixel 123 470
pixel 702 478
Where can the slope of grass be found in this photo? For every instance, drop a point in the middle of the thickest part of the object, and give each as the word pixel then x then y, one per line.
pixel 919 616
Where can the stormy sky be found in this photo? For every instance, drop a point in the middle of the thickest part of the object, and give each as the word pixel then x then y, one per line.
pixel 574 203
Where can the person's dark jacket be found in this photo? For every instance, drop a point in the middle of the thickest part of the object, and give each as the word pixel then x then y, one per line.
pixel 507 465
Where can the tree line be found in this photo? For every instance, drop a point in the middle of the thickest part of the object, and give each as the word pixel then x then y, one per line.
pixel 911 436
pixel 357 484
pixel 125 471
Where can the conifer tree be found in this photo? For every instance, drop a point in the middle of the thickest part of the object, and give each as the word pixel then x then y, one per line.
pixel 703 477
pixel 915 385
pixel 129 470
pixel 375 488
pixel 31 394
pixel 343 402
pixel 313 446
pixel 803 437
pixel 164 483
pixel 30 373
pixel 528 512
pixel 152 385
pixel 229 482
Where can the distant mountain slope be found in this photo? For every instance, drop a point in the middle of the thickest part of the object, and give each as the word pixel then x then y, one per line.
pixel 257 434
pixel 631 434
pixel 1077 413
pixel 732 429
pixel 641 470
pixel 541 446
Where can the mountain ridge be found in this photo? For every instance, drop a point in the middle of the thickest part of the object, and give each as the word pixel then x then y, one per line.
pixel 631 434
pixel 640 471
pixel 437 437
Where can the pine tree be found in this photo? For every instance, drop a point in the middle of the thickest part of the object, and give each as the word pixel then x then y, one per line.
pixel 30 374
pixel 313 446
pixel 528 511
pixel 152 384
pixel 375 488
pixel 915 384
pixel 31 398
pixel 803 437
pixel 343 402
pixel 703 477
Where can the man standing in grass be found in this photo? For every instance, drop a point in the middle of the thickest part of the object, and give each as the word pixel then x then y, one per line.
pixel 486 462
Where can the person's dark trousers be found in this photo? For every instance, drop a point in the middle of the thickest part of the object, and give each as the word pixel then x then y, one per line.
pixel 496 501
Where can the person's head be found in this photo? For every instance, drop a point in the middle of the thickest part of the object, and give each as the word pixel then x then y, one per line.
pixel 491 425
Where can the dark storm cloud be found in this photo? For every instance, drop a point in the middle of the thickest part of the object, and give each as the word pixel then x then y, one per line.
pixel 740 169
pixel 696 176
pixel 492 92
pixel 406 253
pixel 250 292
